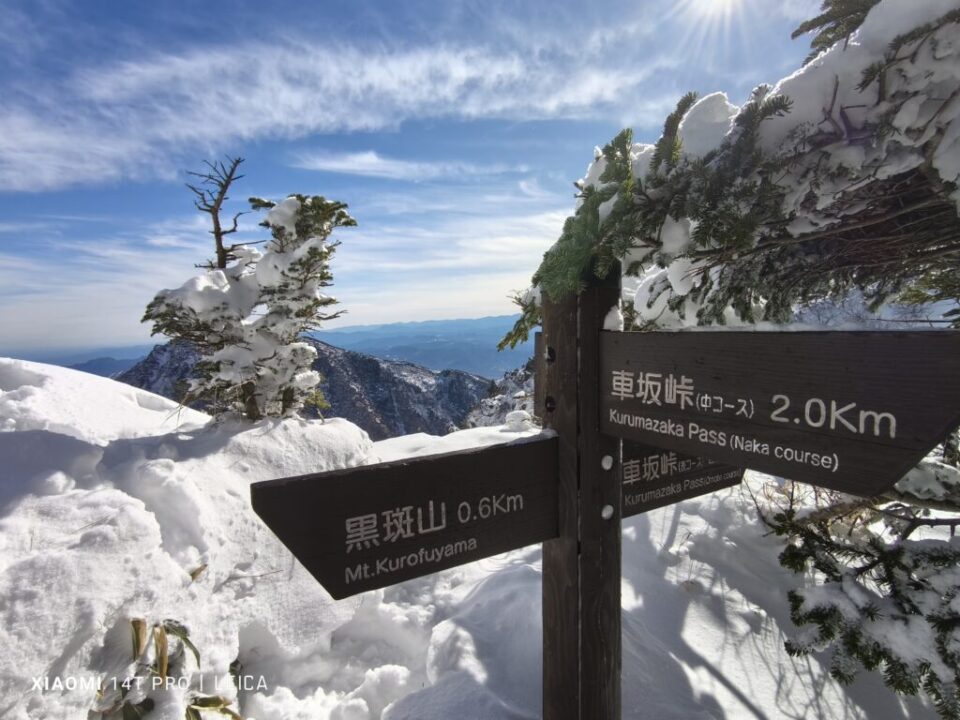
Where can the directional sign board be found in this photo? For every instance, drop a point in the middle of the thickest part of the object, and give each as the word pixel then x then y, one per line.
pixel 654 477
pixel 851 411
pixel 376 525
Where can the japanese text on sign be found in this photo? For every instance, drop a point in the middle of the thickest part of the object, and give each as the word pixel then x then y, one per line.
pixel 662 389
pixel 377 530
pixel 662 465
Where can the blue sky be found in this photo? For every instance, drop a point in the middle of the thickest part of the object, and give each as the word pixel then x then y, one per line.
pixel 454 130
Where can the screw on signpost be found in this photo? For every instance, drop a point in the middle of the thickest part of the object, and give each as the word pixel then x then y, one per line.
pixel 581 568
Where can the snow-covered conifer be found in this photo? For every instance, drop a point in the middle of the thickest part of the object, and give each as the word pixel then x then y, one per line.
pixel 246 312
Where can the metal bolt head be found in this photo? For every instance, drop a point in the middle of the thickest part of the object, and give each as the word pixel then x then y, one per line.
pixel 607 512
pixel 606 462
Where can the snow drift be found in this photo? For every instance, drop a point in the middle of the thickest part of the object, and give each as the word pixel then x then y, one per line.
pixel 122 512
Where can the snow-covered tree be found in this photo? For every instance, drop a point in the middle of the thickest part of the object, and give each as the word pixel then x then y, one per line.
pixel 841 180
pixel 887 578
pixel 246 312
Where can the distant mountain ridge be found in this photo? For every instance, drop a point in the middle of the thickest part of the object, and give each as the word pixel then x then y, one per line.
pixel 384 397
pixel 464 344
pixel 468 345
pixel 105 366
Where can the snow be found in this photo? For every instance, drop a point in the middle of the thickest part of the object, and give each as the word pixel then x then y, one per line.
pixel 682 275
pixel 57 400
pixel 514 391
pixel 613 320
pixel 640 157
pixel 931 479
pixel 421 444
pixel 595 170
pixel 154 522
pixel 284 214
pixel 518 421
pixel 675 235
pixel 606 207
pixel 706 123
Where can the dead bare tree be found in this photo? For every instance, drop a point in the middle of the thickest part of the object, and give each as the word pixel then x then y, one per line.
pixel 211 193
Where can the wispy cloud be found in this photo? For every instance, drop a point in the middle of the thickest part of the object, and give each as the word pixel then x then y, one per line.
pixel 372 164
pixel 27 226
pixel 469 243
pixel 128 119
pixel 455 262
pixel 460 267
pixel 98 298
pixel 20 35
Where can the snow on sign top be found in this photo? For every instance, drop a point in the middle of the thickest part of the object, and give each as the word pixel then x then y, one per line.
pixel 850 411
pixel 368 527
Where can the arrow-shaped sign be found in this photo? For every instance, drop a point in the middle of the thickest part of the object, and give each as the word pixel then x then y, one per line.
pixel 375 525
pixel 851 411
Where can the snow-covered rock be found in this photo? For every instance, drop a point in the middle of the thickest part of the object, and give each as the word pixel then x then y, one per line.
pixel 512 392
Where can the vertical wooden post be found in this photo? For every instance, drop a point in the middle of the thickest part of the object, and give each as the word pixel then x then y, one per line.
pixel 581 569
pixel 561 566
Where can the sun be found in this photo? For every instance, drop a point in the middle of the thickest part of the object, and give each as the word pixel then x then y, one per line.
pixel 711 27
pixel 712 9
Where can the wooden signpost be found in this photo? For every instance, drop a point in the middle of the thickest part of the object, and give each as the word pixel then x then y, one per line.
pixel 851 411
pixel 638 421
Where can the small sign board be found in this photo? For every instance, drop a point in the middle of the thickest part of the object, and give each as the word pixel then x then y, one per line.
pixel 654 477
pixel 376 525
pixel 851 411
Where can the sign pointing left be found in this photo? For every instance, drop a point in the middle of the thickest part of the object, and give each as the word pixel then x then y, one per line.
pixel 377 525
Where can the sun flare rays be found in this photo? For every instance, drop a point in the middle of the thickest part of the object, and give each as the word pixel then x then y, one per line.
pixel 711 28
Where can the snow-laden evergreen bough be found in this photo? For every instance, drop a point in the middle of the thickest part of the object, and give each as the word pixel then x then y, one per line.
pixel 841 180
pixel 843 175
pixel 246 312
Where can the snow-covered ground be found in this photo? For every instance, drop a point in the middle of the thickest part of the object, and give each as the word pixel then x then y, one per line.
pixel 115 506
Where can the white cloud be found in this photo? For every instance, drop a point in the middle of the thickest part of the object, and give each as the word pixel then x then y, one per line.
pixel 445 265
pixel 73 293
pixel 466 243
pixel 436 296
pixel 371 164
pixel 466 265
pixel 97 300
pixel 132 118
pixel 27 226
